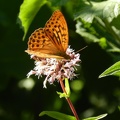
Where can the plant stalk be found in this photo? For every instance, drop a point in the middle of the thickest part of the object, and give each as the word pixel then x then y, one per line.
pixel 69 101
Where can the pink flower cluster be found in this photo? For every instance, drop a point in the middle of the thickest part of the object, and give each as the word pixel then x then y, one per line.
pixel 56 69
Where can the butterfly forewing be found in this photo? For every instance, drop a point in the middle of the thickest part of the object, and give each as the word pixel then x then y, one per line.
pixel 57 30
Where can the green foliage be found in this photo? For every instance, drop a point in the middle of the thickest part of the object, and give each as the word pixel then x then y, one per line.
pixel 58 2
pixel 113 70
pixel 57 115
pixel 67 88
pixel 101 32
pixel 61 116
pixel 97 117
pixel 28 10
pixel 105 10
pixel 94 23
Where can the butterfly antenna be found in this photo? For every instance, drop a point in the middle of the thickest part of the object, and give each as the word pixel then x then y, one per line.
pixel 81 49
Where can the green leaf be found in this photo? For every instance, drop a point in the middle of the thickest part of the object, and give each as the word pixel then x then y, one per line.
pixel 103 42
pixel 105 10
pixel 28 10
pixel 114 48
pixel 84 33
pixel 57 115
pixel 58 2
pixel 116 22
pixel 113 70
pixel 61 95
pixel 97 117
pixel 67 88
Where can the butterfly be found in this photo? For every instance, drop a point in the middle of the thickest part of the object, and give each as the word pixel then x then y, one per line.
pixel 52 40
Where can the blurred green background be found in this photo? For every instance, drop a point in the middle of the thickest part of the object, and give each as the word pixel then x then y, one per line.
pixel 24 99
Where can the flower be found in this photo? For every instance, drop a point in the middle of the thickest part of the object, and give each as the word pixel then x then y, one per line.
pixel 55 69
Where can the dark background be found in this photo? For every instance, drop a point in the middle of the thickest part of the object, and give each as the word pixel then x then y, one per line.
pixel 96 96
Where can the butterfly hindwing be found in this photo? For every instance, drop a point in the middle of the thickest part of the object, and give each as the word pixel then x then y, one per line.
pixel 38 41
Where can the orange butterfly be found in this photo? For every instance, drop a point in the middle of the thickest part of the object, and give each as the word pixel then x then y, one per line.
pixel 52 40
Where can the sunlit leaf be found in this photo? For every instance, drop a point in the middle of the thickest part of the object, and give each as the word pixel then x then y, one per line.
pixel 84 33
pixel 61 95
pixel 67 88
pixel 28 10
pixel 105 10
pixel 113 70
pixel 57 115
pixel 103 43
pixel 97 117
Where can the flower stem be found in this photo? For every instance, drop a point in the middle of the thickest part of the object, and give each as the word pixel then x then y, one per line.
pixel 69 101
